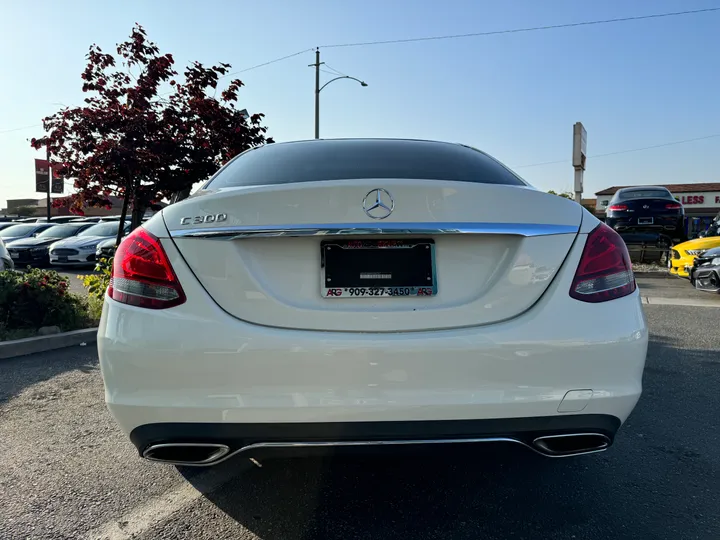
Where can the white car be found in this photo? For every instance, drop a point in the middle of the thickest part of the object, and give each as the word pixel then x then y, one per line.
pixel 80 250
pixel 6 262
pixel 370 292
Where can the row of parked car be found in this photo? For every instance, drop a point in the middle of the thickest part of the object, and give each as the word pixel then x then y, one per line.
pixel 65 241
pixel 649 216
pixel 699 259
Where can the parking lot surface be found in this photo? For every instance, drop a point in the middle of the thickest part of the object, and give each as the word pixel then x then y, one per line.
pixel 664 285
pixel 68 472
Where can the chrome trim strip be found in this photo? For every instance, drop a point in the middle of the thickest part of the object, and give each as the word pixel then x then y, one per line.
pixel 399 228
pixel 330 444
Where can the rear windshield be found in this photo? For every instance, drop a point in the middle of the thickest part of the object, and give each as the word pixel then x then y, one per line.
pixel 644 194
pixel 311 161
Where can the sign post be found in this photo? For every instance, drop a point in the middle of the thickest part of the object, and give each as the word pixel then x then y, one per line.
pixel 579 157
pixel 42 179
pixel 47 181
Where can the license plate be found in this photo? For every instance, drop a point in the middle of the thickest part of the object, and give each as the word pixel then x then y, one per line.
pixel 377 268
pixel 645 221
pixel 14 255
pixel 62 259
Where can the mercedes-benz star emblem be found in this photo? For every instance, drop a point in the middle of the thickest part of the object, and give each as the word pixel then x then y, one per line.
pixel 378 203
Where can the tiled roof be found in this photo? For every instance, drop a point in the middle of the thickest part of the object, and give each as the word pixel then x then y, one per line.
pixel 674 188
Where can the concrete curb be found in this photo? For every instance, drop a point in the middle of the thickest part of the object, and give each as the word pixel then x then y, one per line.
pixel 21 347
pixel 691 302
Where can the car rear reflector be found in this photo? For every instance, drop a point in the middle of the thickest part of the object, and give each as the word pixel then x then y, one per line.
pixel 618 207
pixel 673 206
pixel 142 275
pixel 604 272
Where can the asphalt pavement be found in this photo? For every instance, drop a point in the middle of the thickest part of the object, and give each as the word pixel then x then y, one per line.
pixel 68 472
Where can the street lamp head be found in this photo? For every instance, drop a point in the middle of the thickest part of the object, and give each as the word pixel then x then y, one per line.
pixel 363 83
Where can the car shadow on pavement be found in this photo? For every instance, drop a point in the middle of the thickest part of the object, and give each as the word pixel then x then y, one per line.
pixel 655 482
pixel 21 372
pixel 464 491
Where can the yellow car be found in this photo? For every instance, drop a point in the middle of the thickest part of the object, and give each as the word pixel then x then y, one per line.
pixel 683 255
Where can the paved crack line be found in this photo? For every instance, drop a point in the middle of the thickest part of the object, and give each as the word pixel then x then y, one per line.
pixel 158 509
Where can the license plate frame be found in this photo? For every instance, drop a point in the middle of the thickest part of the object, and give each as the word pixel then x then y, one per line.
pixel 14 255
pixel 62 258
pixel 378 268
pixel 645 221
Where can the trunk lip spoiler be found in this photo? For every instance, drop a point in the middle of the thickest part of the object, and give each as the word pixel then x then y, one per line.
pixel 391 228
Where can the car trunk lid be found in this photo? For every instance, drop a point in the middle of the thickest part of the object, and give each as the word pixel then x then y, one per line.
pixel 258 251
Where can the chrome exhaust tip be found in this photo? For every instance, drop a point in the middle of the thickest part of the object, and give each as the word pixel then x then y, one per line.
pixel 571 444
pixel 186 453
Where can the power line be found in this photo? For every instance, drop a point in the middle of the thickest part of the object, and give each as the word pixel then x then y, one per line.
pixel 268 62
pixel 622 151
pixel 519 30
pixel 221 77
pixel 335 70
pixel 19 128
pixel 452 36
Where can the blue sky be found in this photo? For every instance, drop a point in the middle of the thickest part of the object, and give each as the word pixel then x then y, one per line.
pixel 516 96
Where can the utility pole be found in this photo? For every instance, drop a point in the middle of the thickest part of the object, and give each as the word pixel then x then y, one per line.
pixel 317 65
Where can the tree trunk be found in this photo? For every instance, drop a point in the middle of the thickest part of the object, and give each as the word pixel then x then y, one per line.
pixel 138 209
pixel 138 212
pixel 123 215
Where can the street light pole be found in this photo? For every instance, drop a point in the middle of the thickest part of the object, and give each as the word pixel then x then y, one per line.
pixel 318 88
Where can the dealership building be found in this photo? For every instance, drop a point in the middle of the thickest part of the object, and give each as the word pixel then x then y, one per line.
pixel 701 202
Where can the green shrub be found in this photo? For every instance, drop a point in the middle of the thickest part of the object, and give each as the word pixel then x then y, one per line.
pixel 97 284
pixel 95 305
pixel 39 298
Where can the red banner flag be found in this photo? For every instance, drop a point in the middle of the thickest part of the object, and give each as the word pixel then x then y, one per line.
pixel 57 182
pixel 42 175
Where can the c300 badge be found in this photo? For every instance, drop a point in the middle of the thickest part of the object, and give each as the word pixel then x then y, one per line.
pixel 209 218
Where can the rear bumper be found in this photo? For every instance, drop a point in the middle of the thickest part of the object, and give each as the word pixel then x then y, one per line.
pixel 308 437
pixel 660 224
pixel 195 364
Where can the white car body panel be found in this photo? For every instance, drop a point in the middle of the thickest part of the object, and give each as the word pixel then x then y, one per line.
pixel 83 247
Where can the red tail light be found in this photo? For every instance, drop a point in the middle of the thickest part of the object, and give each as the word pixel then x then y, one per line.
pixel 142 275
pixel 673 206
pixel 605 271
pixel 617 207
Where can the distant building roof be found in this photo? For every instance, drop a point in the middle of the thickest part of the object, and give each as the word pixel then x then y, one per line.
pixel 673 188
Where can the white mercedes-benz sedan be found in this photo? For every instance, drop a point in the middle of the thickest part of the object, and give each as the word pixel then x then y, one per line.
pixel 370 292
